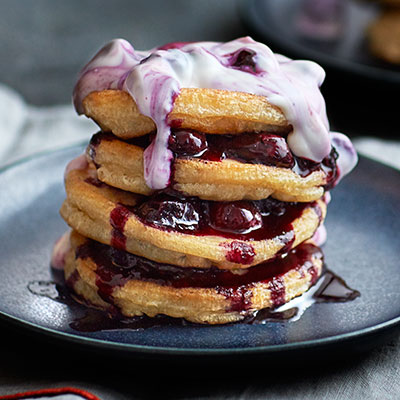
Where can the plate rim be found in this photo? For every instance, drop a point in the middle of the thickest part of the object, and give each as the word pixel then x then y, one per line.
pixel 177 351
pixel 164 351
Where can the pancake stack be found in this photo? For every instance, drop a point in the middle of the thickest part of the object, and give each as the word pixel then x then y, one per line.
pixel 202 210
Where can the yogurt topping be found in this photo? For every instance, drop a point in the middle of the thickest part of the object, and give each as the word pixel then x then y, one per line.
pixel 154 79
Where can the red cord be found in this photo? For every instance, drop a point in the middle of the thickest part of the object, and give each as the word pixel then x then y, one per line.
pixel 50 392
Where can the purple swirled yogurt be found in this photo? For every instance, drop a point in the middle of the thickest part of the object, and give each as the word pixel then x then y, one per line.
pixel 154 79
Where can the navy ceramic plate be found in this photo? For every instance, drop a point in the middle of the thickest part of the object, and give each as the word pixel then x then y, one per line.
pixel 363 247
pixel 274 22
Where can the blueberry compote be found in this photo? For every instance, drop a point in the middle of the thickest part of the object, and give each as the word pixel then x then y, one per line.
pixel 243 60
pixel 84 318
pixel 255 148
pixel 252 148
pixel 242 220
pixel 114 268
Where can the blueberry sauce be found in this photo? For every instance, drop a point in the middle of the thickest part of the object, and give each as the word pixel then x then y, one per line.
pixel 238 216
pixel 243 60
pixel 330 288
pixel 239 252
pixel 278 290
pixel 252 148
pixel 118 218
pixel 240 297
pixel 241 220
pixel 255 148
pixel 115 267
pixel 314 274
pixel 171 211
pixel 334 289
pixel 328 165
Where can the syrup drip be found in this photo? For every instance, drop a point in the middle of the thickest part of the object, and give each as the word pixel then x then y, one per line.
pixel 278 290
pixel 240 297
pixel 118 218
pixel 239 252
pixel 334 289
pixel 115 267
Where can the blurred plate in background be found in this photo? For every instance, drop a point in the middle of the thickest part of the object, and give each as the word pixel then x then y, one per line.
pixel 356 83
pixel 276 22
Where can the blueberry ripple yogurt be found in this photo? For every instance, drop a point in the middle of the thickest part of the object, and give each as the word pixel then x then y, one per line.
pixel 155 78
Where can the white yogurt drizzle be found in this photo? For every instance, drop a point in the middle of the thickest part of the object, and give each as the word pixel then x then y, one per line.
pixel 155 78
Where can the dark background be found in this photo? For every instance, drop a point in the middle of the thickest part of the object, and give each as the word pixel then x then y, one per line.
pixel 45 43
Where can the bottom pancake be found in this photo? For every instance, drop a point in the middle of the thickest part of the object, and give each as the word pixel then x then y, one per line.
pixel 113 279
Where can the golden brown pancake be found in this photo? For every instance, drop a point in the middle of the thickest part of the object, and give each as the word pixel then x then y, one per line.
pixel 120 164
pixel 115 217
pixel 109 279
pixel 204 110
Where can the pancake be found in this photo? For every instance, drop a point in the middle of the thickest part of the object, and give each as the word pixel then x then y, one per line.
pixel 120 164
pixel 174 229
pixel 113 279
pixel 206 110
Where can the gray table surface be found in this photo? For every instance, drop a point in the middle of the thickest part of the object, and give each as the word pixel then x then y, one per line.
pixel 43 45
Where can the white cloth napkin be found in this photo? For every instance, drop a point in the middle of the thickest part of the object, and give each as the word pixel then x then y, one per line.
pixel 27 130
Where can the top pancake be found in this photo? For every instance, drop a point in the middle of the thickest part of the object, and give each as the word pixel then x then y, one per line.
pixel 206 110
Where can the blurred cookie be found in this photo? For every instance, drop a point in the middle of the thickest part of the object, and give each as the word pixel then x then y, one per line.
pixel 384 36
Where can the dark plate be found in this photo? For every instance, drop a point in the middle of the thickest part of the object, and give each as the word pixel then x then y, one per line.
pixel 363 247
pixel 274 22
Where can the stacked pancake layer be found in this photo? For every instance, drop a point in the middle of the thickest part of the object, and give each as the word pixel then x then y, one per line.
pixel 229 234
pixel 214 258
